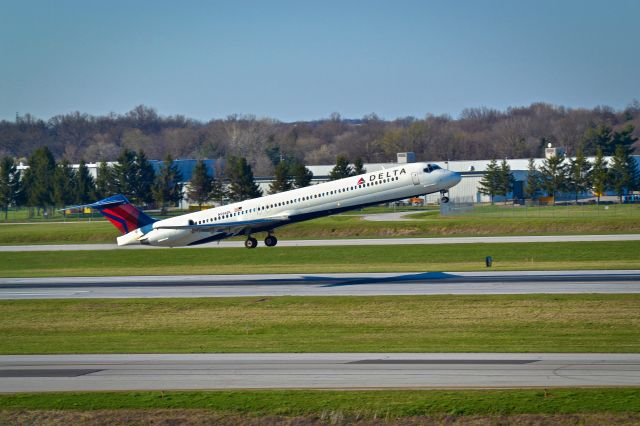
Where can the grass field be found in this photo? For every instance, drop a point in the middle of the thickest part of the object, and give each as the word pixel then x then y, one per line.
pixel 489 220
pixel 410 258
pixel 504 323
pixel 345 405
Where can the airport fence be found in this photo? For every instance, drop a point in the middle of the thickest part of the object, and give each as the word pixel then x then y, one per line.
pixel 539 210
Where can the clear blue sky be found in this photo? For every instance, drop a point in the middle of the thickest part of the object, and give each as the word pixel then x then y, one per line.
pixel 303 60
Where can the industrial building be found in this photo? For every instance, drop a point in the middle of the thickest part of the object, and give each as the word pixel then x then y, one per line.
pixel 466 191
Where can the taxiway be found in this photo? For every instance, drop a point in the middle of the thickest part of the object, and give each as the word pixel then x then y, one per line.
pixel 39 373
pixel 345 242
pixel 345 284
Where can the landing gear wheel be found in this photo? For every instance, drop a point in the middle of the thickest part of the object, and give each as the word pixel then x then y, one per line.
pixel 251 243
pixel 270 241
pixel 444 199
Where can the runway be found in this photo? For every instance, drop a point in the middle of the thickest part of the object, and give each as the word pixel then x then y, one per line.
pixel 347 284
pixel 345 242
pixel 39 373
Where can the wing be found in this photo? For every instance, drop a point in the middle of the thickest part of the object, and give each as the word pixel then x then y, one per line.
pixel 232 227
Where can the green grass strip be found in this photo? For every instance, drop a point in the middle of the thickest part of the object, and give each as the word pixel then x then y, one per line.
pixel 501 323
pixel 429 224
pixel 411 258
pixel 391 403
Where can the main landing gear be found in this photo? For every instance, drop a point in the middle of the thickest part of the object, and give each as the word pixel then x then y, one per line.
pixel 443 197
pixel 269 241
pixel 251 243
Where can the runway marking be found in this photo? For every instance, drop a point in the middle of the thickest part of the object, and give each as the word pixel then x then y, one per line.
pixel 446 361
pixel 58 372
pixel 51 293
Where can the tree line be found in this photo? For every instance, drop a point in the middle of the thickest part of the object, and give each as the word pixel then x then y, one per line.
pixel 478 133
pixel 47 184
pixel 577 176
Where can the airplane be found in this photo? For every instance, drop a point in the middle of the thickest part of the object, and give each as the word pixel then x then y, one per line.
pixel 267 213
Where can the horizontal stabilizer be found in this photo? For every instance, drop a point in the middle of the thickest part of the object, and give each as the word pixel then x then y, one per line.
pixel 114 200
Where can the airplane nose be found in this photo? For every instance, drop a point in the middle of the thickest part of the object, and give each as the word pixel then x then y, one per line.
pixel 451 179
pixel 457 177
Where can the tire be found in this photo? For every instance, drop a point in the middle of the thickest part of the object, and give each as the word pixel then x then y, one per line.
pixel 270 241
pixel 251 243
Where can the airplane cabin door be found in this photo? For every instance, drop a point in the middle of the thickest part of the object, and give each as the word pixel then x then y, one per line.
pixel 414 177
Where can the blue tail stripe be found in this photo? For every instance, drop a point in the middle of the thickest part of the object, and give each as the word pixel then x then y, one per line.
pixel 117 219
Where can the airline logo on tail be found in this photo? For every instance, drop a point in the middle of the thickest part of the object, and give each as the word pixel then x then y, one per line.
pixel 119 211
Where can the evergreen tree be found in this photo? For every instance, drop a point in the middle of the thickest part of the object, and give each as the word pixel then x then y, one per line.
pixel 490 182
pixel 301 175
pixel 218 191
pixel 579 175
pixel 133 176
pixel 64 193
pixel 533 180
pixel 9 184
pixel 84 184
pixel 241 182
pixel 200 185
pixel 597 137
pixel 554 175
pixel 358 167
pixel 124 174
pixel 624 137
pixel 37 183
pixel 167 188
pixel 342 169
pixel 105 181
pixel 281 180
pixel 145 177
pixel 600 174
pixel 623 172
pixel 505 179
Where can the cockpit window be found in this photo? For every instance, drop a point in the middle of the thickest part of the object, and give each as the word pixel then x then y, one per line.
pixel 431 167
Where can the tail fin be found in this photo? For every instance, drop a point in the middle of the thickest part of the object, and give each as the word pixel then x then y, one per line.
pixel 124 215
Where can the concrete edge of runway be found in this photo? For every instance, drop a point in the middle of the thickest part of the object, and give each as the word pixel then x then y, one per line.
pixel 322 356
pixel 344 242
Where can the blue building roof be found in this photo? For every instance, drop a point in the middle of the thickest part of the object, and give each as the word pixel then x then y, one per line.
pixel 186 167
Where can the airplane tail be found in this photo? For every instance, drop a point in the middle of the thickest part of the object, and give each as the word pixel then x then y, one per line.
pixel 121 213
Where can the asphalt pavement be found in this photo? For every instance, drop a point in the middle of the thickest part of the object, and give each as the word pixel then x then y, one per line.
pixel 343 242
pixel 40 373
pixel 345 284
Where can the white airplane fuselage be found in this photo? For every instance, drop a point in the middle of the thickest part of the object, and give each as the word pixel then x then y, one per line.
pixel 272 211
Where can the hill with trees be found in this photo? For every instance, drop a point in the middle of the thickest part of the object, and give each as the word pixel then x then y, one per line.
pixel 478 133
